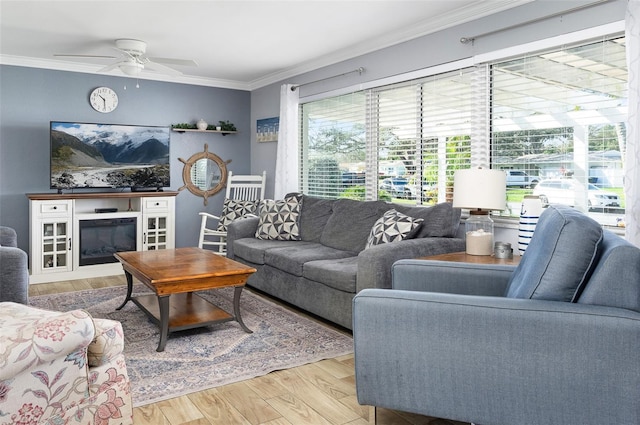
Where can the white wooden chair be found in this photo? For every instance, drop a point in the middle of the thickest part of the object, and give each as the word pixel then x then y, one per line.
pixel 239 188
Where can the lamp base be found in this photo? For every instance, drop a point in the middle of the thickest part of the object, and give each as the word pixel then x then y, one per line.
pixel 479 233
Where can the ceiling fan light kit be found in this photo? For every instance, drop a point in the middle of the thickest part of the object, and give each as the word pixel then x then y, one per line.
pixel 131 68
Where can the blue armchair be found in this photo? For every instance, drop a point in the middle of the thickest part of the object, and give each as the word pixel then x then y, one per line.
pixel 555 340
pixel 14 268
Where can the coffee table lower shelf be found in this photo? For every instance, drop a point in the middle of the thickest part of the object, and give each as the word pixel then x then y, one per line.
pixel 187 310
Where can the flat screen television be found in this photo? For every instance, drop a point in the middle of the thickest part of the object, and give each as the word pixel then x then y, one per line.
pixel 86 155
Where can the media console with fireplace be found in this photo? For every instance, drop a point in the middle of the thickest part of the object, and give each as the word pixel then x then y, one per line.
pixel 74 235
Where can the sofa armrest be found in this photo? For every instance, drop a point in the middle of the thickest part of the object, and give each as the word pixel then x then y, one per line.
pixel 14 275
pixel 238 229
pixel 449 277
pixel 496 360
pixel 8 236
pixel 31 336
pixel 374 263
pixel 107 344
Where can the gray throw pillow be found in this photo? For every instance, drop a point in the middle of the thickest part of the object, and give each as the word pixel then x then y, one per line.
pixel 559 258
pixel 278 220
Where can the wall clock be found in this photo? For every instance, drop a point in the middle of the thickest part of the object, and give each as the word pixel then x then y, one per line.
pixel 103 99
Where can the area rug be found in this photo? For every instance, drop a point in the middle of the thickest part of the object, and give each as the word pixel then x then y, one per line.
pixel 202 358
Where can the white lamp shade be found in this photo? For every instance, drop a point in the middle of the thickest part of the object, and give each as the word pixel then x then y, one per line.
pixel 480 188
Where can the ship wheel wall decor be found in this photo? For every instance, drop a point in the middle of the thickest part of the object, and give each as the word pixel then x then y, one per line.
pixel 204 173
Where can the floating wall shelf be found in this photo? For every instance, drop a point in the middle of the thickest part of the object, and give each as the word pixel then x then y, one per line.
pixel 195 130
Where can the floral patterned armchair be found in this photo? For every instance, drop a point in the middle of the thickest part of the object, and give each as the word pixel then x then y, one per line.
pixel 61 368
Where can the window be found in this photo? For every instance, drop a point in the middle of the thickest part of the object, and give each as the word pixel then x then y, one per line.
pixel 558 117
pixel 399 143
pixel 333 147
pixel 542 117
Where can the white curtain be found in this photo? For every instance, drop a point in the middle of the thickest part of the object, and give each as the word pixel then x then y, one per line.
pixel 286 177
pixel 632 160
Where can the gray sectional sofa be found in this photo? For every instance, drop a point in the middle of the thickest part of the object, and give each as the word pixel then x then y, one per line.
pixel 323 271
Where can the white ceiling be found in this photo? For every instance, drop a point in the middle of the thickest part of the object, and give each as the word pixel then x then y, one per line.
pixel 238 44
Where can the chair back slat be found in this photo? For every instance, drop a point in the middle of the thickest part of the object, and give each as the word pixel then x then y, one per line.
pixel 239 187
pixel 245 187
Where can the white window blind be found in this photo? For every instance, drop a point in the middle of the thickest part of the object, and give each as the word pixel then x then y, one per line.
pixel 333 146
pixel 559 115
pixel 401 142
pixel 424 134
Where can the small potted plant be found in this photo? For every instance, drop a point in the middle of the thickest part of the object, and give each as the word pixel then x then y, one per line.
pixel 226 126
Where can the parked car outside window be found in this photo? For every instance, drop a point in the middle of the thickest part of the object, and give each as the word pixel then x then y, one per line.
pixel 350 178
pixel 563 191
pixel 396 186
pixel 520 178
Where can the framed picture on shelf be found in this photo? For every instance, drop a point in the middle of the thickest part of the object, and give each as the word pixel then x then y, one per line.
pixel 267 129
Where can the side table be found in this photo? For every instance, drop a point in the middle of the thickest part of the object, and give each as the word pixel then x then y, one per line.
pixel 463 257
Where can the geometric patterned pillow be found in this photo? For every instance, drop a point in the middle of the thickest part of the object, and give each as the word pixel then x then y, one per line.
pixel 279 220
pixel 234 209
pixel 393 226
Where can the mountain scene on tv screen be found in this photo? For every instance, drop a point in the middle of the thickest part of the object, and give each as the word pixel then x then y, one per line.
pixel 101 155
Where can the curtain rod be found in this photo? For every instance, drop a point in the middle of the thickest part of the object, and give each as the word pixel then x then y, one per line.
pixel 359 71
pixel 465 40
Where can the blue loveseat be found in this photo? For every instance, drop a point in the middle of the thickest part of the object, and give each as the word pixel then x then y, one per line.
pixel 555 340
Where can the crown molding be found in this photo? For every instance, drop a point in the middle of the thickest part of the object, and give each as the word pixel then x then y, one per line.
pixel 93 69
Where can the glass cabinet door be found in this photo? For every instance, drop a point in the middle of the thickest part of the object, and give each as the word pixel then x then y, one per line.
pixel 56 245
pixel 156 233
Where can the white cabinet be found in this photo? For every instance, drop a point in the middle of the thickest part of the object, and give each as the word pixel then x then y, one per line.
pixel 158 221
pixel 59 244
pixel 51 236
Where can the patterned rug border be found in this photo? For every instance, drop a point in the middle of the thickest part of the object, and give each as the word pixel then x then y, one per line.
pixel 257 311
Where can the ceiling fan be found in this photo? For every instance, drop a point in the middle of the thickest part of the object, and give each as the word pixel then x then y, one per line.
pixel 133 59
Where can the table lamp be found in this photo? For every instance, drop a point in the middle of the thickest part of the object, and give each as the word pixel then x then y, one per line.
pixel 480 190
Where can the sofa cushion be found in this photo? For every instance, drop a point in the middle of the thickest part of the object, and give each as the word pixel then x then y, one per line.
pixel 233 209
pixel 349 226
pixel 253 250
pixel 393 226
pixel 559 258
pixel 314 216
pixel 278 220
pixel 338 274
pixel 291 259
pixel 440 220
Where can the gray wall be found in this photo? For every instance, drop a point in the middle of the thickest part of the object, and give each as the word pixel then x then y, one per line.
pixel 30 98
pixel 434 49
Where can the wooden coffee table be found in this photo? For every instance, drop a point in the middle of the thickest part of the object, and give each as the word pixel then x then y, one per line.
pixel 174 275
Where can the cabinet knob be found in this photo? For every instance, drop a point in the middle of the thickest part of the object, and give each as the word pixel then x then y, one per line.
pixel 157 204
pixel 55 207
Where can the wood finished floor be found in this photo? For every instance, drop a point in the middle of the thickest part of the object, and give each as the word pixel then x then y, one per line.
pixel 321 393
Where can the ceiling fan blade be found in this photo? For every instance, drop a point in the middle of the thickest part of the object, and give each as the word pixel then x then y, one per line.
pixel 162 69
pixel 109 67
pixel 170 61
pixel 84 56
